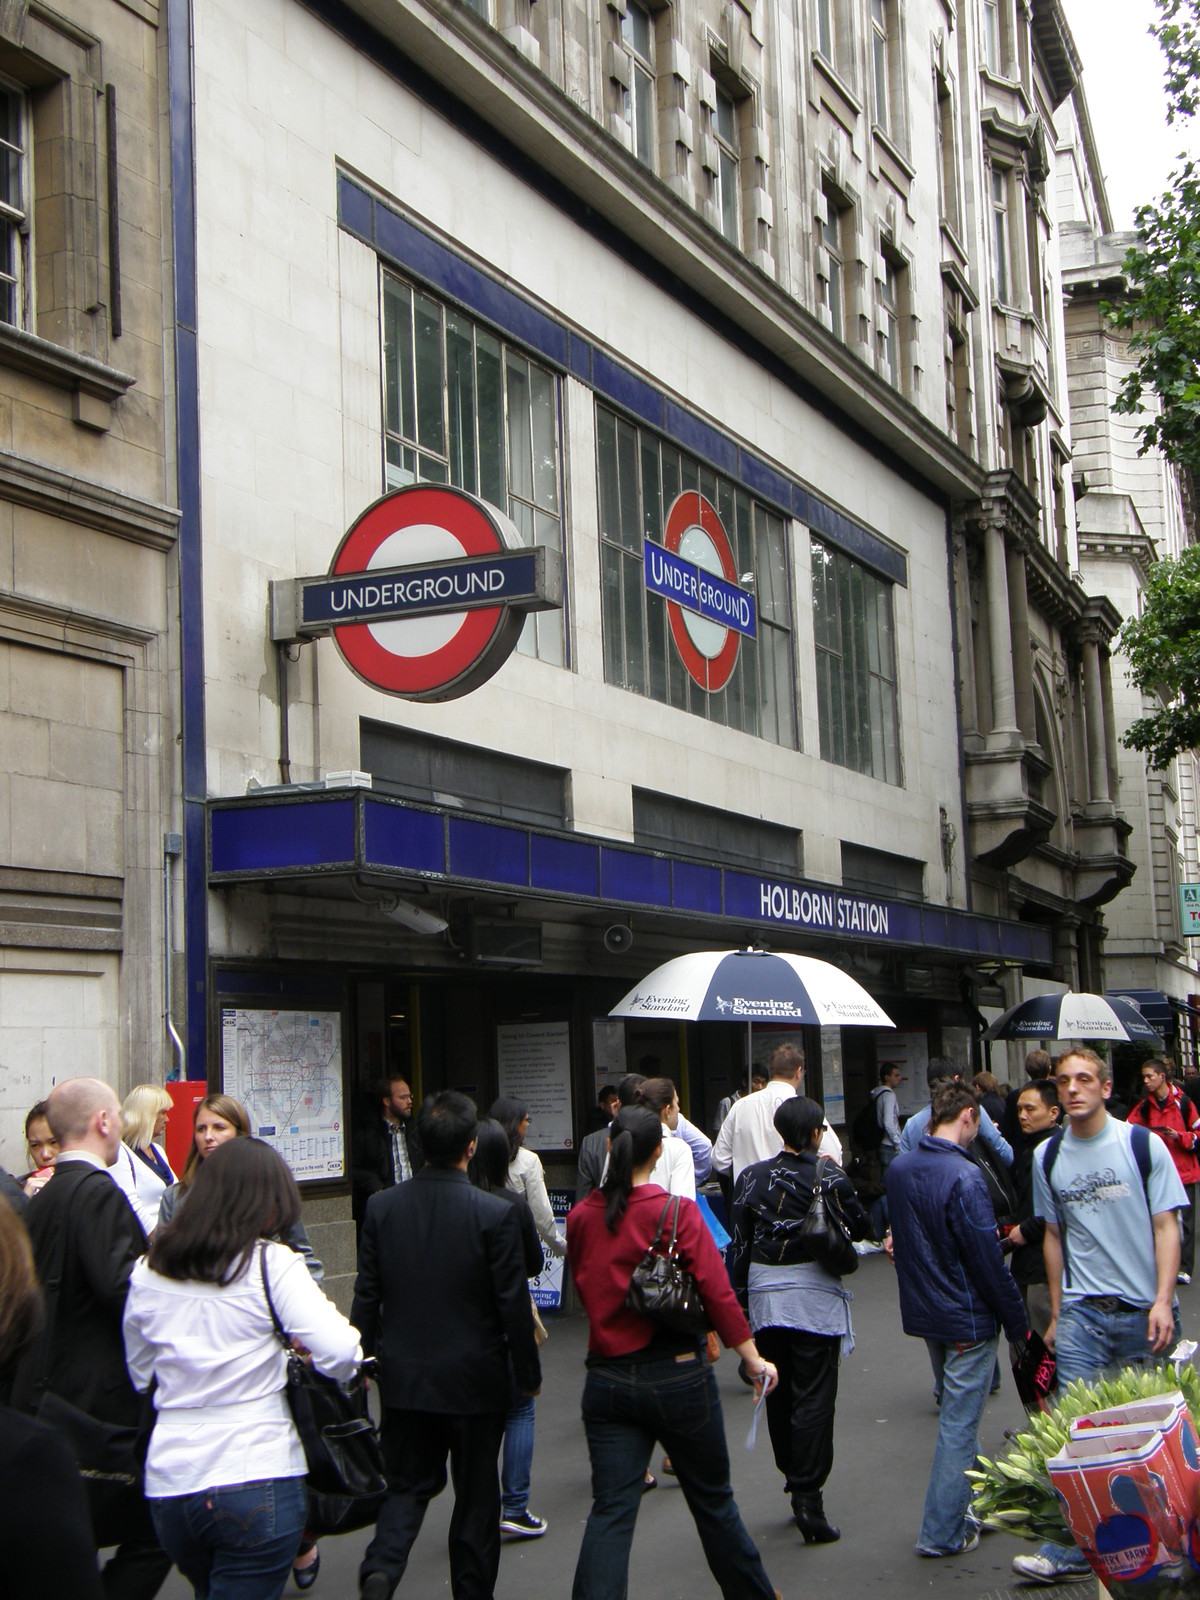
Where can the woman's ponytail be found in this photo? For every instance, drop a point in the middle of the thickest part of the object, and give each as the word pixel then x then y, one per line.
pixel 636 1134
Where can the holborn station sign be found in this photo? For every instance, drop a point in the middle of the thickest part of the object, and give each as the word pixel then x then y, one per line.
pixel 426 596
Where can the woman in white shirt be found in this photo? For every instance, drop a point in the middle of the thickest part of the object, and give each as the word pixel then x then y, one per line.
pixel 675 1170
pixel 144 1113
pixel 525 1174
pixel 225 1472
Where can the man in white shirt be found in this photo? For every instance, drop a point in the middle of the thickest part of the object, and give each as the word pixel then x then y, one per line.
pixel 748 1133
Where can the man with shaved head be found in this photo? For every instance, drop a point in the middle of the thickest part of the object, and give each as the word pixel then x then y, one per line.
pixel 86 1239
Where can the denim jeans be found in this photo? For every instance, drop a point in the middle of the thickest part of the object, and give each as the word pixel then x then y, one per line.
pixel 879 1206
pixel 235 1542
pixel 517 1460
pixel 626 1407
pixel 964 1374
pixel 1086 1342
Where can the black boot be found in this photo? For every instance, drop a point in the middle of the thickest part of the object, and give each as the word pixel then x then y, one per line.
pixel 809 1513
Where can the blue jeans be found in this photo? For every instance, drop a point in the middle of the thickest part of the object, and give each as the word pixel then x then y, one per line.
pixel 626 1406
pixel 235 1542
pixel 518 1455
pixel 1088 1340
pixel 879 1206
pixel 964 1374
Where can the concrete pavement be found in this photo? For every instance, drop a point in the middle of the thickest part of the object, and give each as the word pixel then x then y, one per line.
pixel 886 1427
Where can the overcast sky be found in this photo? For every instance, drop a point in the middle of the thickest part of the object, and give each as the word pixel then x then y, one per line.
pixel 1123 80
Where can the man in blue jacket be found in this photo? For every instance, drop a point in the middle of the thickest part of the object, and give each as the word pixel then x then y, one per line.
pixel 954 1290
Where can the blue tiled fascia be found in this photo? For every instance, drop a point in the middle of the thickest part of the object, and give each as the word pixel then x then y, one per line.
pixel 564 866
pixel 395 836
pixel 696 888
pixel 640 880
pixel 487 853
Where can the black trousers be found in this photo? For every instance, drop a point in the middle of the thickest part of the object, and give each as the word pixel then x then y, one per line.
pixel 800 1409
pixel 416 1445
pixel 139 1567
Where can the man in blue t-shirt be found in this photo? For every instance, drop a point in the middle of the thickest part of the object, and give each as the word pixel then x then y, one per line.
pixel 1111 1248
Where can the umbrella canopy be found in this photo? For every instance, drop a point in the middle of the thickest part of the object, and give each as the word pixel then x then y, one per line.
pixel 1074 1016
pixel 752 986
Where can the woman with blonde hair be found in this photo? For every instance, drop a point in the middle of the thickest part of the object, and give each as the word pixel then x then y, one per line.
pixel 144 1113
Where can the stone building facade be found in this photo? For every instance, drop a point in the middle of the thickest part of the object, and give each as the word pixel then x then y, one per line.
pixel 1132 509
pixel 87 541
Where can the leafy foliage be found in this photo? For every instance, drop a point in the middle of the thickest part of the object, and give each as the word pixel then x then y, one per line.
pixel 1178 32
pixel 1163 651
pixel 1013 1493
pixel 1161 310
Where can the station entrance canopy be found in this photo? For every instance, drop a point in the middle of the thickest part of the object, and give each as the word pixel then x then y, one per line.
pixel 299 836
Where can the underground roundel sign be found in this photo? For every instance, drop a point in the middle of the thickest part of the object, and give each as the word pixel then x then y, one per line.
pixel 427 594
pixel 694 571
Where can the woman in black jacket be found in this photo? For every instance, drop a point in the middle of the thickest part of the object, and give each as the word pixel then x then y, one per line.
pixel 798 1311
pixel 1040 1114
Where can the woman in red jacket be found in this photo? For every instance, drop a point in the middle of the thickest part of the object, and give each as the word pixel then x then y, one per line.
pixel 646 1382
pixel 1167 1111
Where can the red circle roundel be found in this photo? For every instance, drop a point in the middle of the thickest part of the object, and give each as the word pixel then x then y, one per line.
pixel 428 657
pixel 695 533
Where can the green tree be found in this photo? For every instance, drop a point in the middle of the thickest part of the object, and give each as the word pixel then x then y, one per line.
pixel 1161 314
pixel 1161 310
pixel 1163 651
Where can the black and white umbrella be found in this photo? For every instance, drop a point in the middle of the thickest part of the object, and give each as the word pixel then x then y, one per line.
pixel 1074 1016
pixel 752 986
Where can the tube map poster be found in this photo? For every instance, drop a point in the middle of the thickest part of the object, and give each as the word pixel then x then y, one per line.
pixel 286 1069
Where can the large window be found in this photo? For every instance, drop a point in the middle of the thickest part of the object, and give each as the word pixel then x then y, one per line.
pixel 637 34
pixel 833 231
pixel 947 165
pixel 856 665
pixel 462 407
pixel 881 63
pixel 891 287
pixel 1001 251
pixel 14 207
pixel 991 36
pixel 640 476
pixel 725 125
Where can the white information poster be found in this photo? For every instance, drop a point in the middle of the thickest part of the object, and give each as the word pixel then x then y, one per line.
pixel 608 1051
pixel 832 1086
pixel 533 1064
pixel 908 1048
pixel 286 1069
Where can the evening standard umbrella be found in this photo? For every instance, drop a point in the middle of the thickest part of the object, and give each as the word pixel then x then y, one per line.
pixel 752 986
pixel 1074 1016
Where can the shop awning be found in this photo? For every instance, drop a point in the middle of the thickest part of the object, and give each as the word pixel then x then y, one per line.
pixel 1160 1010
pixel 305 834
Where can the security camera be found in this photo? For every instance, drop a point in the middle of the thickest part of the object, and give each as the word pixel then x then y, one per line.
pixel 410 916
pixel 617 939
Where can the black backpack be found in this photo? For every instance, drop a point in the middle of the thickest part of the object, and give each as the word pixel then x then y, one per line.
pixel 866 1129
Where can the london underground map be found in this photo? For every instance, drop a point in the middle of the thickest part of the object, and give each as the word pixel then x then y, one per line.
pixel 286 1069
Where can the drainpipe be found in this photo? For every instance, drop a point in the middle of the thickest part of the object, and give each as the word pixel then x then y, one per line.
pixel 172 849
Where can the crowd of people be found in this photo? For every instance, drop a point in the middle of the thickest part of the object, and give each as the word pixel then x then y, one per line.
pixel 146 1317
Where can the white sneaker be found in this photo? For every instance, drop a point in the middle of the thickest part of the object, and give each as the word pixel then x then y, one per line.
pixel 1042 1569
pixel 971 1542
pixel 1184 1277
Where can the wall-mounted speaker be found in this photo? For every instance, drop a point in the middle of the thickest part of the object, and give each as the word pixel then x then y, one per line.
pixel 617 939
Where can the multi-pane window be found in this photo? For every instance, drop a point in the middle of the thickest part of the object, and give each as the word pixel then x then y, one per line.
pixel 14 210
pixel 461 406
pixel 825 36
pixel 836 219
pixel 991 35
pixel 1001 257
pixel 881 63
pixel 725 126
pixel 640 476
pixel 637 35
pixel 889 333
pixel 856 665
pixel 947 166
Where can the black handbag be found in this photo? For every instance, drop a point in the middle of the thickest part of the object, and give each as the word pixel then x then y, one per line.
pixel 661 1286
pixel 340 1443
pixel 824 1232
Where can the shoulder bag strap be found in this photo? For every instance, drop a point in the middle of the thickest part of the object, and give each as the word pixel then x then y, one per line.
pixel 282 1336
pixel 1139 1141
pixel 52 1291
pixel 1049 1157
